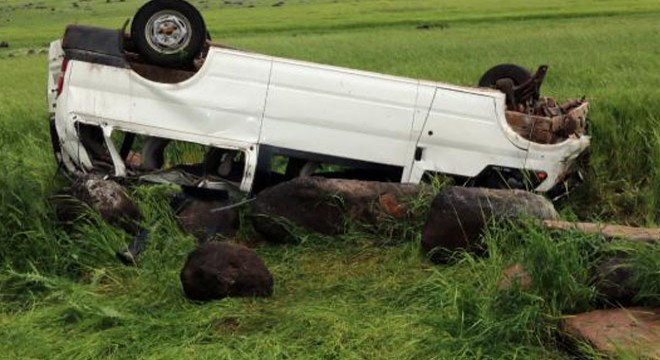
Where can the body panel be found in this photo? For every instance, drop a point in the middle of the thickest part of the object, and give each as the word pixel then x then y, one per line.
pixel 339 113
pixel 240 100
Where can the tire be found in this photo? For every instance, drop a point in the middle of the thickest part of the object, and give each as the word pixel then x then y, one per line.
pixel 153 152
pixel 519 75
pixel 169 33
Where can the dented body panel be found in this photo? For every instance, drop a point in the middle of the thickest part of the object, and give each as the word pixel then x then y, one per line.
pixel 242 101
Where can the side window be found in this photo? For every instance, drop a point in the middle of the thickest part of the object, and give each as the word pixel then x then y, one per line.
pixel 164 160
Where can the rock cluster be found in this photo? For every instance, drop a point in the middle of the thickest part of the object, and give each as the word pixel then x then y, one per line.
pixel 456 221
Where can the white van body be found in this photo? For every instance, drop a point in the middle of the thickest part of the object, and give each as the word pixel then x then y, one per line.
pixel 245 101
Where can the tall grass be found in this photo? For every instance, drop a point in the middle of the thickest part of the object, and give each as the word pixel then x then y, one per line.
pixel 64 295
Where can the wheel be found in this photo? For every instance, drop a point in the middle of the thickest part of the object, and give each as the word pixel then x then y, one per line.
pixel 169 33
pixel 519 75
pixel 153 152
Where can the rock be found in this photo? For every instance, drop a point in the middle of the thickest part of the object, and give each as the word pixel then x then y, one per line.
pixel 216 270
pixel 459 215
pixel 4 44
pixel 634 330
pixel 515 275
pixel 107 197
pixel 391 206
pixel 198 219
pixel 323 205
pixel 134 160
pixel 614 280
pixel 609 231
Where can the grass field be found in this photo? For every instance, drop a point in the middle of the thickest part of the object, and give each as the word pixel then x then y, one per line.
pixel 64 296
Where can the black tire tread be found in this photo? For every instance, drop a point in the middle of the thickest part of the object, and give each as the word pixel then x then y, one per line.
pixel 517 74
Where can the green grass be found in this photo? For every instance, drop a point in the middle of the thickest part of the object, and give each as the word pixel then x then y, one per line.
pixel 63 294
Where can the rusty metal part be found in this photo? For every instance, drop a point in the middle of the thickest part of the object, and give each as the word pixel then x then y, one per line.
pixel 508 87
pixel 531 89
pixel 549 123
pixel 522 94
pixel 161 74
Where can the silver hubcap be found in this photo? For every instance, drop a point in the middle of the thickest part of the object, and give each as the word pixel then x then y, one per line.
pixel 168 31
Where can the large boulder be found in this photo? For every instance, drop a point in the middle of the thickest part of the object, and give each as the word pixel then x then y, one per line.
pixel 614 280
pixel 635 331
pixel 324 205
pixel 459 216
pixel 203 220
pixel 215 270
pixel 106 197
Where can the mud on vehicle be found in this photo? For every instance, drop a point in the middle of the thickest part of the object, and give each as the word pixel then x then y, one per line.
pixel 162 103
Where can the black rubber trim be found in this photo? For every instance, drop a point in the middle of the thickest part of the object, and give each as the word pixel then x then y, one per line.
pixel 94 45
pixel 54 138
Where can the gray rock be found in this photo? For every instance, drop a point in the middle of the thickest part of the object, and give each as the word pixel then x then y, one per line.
pixel 217 270
pixel 324 205
pixel 459 215
pixel 199 219
pixel 107 197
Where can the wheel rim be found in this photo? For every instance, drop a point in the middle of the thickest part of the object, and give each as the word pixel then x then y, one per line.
pixel 168 32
